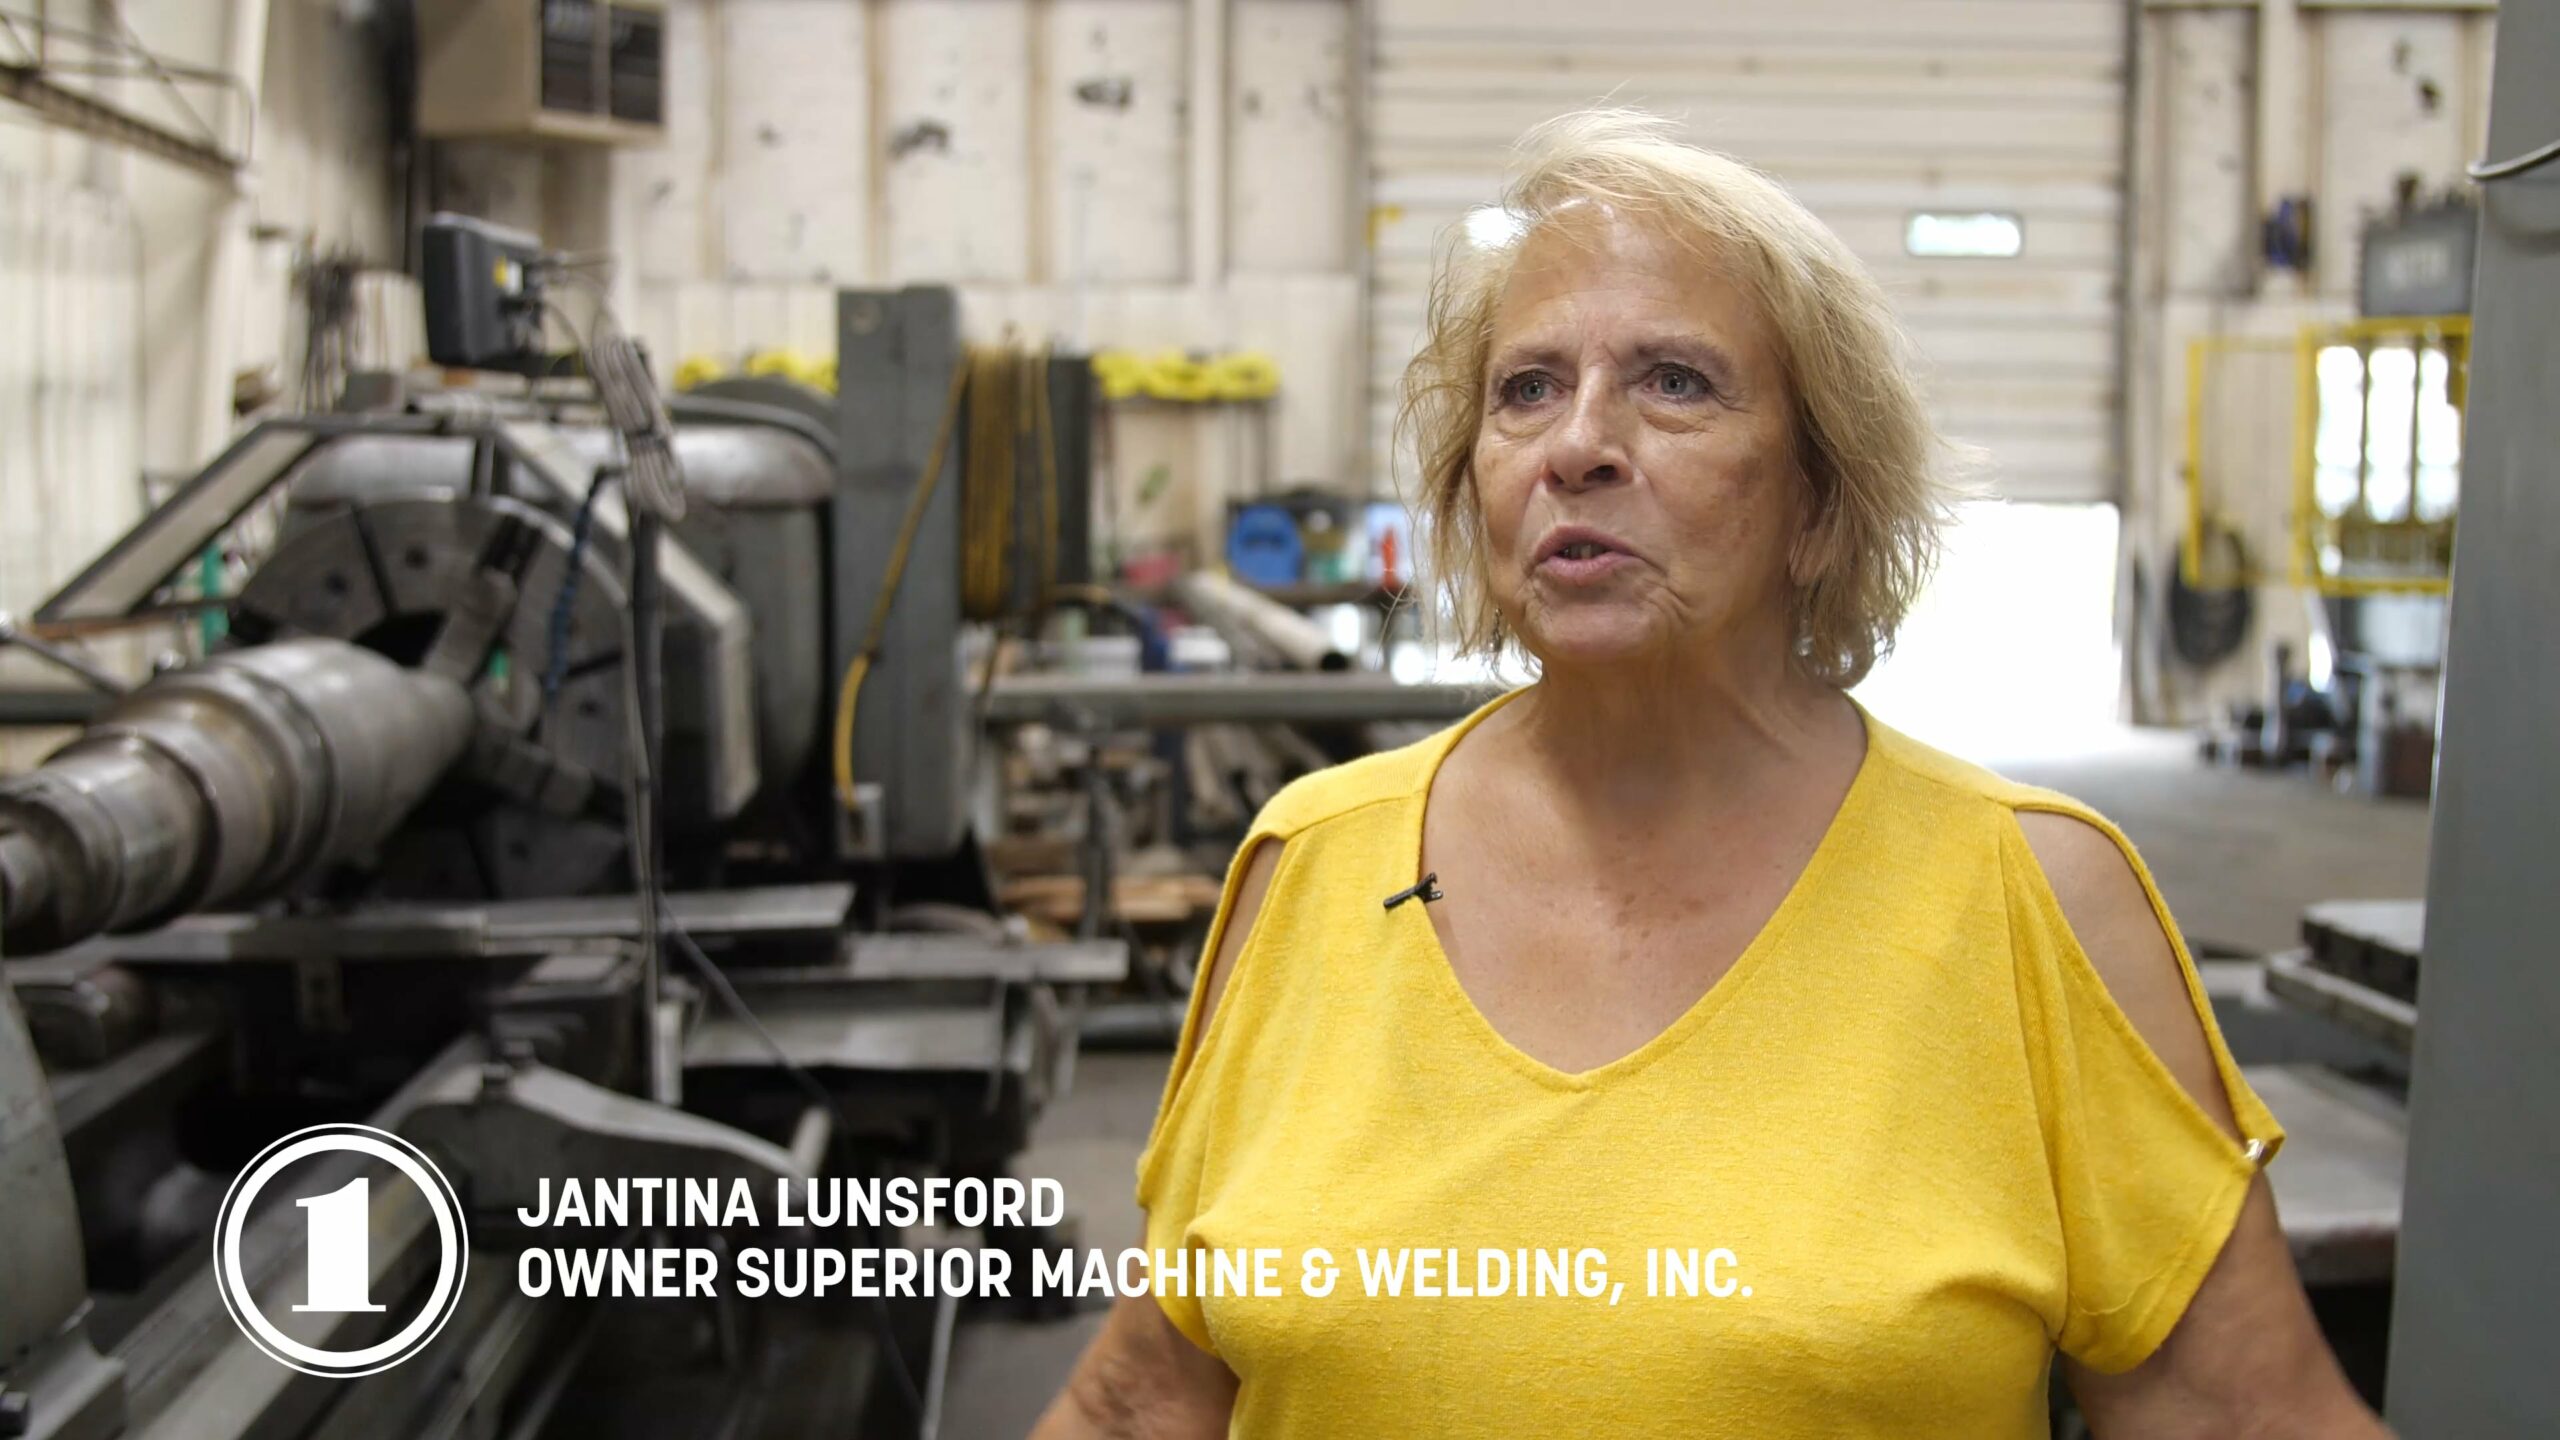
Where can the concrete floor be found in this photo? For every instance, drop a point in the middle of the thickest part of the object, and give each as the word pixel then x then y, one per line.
pixel 1004 1372
pixel 2237 853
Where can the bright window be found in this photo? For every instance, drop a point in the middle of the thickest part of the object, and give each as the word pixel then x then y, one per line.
pixel 1986 234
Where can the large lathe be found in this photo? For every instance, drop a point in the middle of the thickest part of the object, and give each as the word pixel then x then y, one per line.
pixel 370 860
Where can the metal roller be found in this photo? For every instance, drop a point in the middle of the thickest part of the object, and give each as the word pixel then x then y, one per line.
pixel 218 784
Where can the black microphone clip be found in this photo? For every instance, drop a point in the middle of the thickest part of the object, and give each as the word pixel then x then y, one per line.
pixel 1427 891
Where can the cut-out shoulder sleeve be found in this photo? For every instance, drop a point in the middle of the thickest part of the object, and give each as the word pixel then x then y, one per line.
pixel 2147 1184
pixel 1171 1167
pixel 1207 1118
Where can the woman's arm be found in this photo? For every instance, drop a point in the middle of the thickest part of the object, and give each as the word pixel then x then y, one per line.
pixel 1141 1379
pixel 2246 1360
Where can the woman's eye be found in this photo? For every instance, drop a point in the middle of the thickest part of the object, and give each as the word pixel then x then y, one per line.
pixel 1528 389
pixel 1679 382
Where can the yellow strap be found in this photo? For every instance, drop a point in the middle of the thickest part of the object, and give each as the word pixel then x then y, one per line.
pixel 850 693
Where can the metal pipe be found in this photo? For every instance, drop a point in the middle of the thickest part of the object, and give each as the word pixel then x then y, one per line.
pixel 96 676
pixel 1076 701
pixel 75 111
pixel 1250 619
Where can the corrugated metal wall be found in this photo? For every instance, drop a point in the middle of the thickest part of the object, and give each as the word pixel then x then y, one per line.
pixel 116 361
pixel 70 395
pixel 1868 113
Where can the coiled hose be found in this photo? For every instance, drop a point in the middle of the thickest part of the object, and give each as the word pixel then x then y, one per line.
pixel 1004 391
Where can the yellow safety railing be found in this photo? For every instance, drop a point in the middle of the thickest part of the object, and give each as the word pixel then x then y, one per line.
pixel 2214 497
pixel 2289 457
pixel 2351 548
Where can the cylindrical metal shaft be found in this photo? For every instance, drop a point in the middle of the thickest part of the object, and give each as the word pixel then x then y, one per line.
pixel 218 784
pixel 1250 619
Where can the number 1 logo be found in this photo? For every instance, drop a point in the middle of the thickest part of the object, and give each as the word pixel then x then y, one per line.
pixel 337 1250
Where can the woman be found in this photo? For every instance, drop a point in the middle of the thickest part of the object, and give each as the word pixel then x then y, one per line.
pixel 1903 1060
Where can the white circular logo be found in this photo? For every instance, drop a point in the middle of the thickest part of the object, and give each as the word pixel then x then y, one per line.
pixel 338 1250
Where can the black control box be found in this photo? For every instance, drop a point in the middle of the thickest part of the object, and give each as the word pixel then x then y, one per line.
pixel 483 287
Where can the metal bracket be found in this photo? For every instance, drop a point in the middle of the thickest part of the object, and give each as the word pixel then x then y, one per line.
pixel 509 1126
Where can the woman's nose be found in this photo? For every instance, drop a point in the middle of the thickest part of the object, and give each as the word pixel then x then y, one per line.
pixel 1589 446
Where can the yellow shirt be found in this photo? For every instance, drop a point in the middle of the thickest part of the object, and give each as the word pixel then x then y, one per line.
pixel 1931 1146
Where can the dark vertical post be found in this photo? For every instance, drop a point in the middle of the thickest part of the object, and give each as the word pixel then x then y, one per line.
pixel 1071 399
pixel 894 358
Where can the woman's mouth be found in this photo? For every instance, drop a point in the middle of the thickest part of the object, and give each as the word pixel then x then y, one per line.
pixel 1580 559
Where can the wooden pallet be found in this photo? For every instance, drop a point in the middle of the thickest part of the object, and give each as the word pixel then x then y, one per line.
pixel 1137 899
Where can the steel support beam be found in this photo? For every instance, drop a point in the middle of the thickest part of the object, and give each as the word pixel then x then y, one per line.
pixel 72 110
pixel 2478 1293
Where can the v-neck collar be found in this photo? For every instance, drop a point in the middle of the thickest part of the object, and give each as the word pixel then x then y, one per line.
pixel 1443 976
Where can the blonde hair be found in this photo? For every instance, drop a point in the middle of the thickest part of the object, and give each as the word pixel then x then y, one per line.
pixel 1864 439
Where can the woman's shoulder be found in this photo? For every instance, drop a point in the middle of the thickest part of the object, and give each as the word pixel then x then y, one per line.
pixel 1949 780
pixel 2039 839
pixel 2085 903
pixel 1403 773
pixel 1354 785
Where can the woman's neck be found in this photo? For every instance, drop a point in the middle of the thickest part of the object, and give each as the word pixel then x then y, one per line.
pixel 1688 736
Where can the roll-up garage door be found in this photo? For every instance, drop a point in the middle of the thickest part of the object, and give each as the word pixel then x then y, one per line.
pixel 1927 132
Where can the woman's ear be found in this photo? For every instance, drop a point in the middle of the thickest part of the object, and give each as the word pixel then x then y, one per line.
pixel 1810 557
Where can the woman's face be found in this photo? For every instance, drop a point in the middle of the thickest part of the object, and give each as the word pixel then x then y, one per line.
pixel 1635 465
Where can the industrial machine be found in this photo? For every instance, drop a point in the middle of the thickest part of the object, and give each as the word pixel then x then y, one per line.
pixel 505 817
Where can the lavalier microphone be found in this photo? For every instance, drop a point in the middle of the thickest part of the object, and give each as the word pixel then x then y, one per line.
pixel 1426 892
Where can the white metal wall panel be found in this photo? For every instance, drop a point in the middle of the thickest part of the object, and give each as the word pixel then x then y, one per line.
pixel 1868 112
pixel 1112 123
pixel 324 132
pixel 957 140
pixel 795 194
pixel 669 229
pixel 2392 91
pixel 1289 139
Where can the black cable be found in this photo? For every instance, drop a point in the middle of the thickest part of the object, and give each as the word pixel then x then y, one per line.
pixel 555 669
pixel 745 1015
pixel 632 405
pixel 642 736
pixel 641 669
pixel 647 610
pixel 885 1331
pixel 655 489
